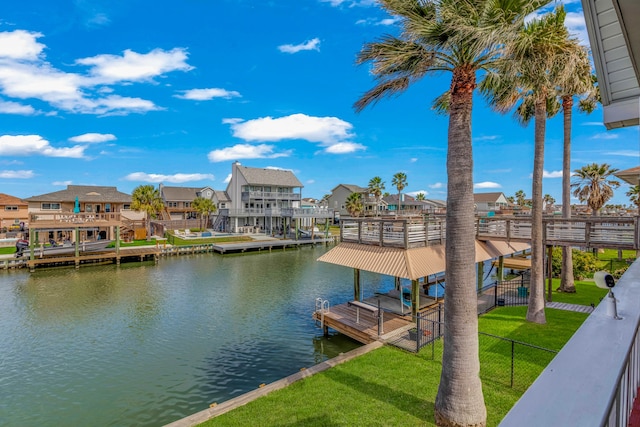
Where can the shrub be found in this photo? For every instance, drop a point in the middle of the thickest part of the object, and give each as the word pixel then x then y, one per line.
pixel 584 263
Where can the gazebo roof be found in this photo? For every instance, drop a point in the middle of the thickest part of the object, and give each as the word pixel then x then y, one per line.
pixel 410 263
pixel 632 176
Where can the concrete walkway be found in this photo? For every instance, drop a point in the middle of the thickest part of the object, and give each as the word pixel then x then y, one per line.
pixel 570 307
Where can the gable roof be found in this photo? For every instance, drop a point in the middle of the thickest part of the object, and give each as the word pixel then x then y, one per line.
pixel 222 196
pixel 183 194
pixel 6 199
pixel 487 197
pixel 84 193
pixel 351 187
pixel 257 176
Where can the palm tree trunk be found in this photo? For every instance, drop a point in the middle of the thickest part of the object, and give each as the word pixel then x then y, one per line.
pixel 459 401
pixel 535 311
pixel 567 283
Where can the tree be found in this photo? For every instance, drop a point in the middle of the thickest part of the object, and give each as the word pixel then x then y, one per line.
pixel 204 207
pixel 354 205
pixel 400 182
pixel 461 37
pixel 376 185
pixel 511 199
pixel 548 201
pixel 146 198
pixel 592 184
pixel 521 197
pixel 542 58
pixel 420 196
pixel 634 196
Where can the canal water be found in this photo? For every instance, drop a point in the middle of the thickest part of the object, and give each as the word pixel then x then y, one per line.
pixel 147 344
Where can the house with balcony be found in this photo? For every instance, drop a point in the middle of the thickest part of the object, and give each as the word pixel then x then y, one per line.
pixel 338 200
pixel 409 205
pixel 263 200
pixel 14 213
pixel 97 208
pixel 178 201
pixel 490 202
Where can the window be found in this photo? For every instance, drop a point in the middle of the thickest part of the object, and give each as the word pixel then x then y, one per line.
pixel 173 204
pixel 10 208
pixel 107 207
pixel 88 208
pixel 126 207
pixel 50 206
pixel 187 204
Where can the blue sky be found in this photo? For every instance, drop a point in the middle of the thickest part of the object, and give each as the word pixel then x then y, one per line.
pixel 124 93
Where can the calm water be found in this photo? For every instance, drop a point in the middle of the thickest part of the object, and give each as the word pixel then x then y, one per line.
pixel 149 344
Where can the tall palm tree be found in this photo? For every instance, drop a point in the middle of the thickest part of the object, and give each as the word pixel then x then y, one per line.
pixel 543 57
pixel 354 205
pixel 548 201
pixel 421 196
pixel 592 184
pixel 634 196
pixel 400 182
pixel 461 37
pixel 520 197
pixel 583 84
pixel 146 198
pixel 376 185
pixel 204 207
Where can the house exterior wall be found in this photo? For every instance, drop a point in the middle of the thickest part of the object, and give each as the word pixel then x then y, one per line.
pixel 12 214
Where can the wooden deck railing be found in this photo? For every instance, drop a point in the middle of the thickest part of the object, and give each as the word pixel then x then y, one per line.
pixel 596 232
pixel 73 218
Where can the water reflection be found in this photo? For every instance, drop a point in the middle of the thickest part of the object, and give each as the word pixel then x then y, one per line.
pixel 146 345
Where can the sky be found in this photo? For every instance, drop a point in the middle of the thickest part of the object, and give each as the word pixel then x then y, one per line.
pixel 131 92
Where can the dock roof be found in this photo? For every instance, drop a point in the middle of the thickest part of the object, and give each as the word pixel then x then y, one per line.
pixel 410 263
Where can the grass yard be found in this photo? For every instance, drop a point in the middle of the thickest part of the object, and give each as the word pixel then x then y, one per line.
pixel 390 386
pixel 587 293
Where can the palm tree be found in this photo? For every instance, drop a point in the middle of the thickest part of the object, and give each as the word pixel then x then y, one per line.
pixel 354 205
pixel 520 197
pixel 204 207
pixel 421 196
pixel 542 58
pixel 400 182
pixel 146 198
pixel 376 185
pixel 548 201
pixel 461 37
pixel 634 196
pixel 592 184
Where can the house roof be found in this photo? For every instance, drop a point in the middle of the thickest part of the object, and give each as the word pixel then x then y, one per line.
pixel 614 35
pixel 183 194
pixel 257 176
pixel 84 193
pixel 410 263
pixel 487 197
pixel 352 187
pixel 392 199
pixel 6 199
pixel 222 196
pixel 631 176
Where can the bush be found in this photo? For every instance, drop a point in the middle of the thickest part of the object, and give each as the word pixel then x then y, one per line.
pixel 584 263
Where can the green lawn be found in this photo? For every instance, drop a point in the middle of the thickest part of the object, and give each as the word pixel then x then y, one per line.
pixel 587 293
pixel 390 386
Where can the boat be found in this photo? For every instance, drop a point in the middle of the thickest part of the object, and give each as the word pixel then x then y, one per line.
pixel 68 248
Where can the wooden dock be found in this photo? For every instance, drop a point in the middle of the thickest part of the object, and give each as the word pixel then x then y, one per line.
pixel 362 326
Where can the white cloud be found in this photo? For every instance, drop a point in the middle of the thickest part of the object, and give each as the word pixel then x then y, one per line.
pixel 593 124
pixel 624 153
pixel 135 67
pixel 278 168
pixel 325 130
pixel 227 179
pixel 20 45
pixel 486 138
pixel 436 185
pixel 28 145
pixel 174 179
pixel 413 159
pixel 344 148
pixel 377 22
pixel 575 23
pixel 90 138
pixel 16 174
pixel 311 181
pixel 350 3
pixel 487 184
pixel 10 107
pixel 605 136
pixel 415 193
pixel 62 183
pixel 208 94
pixel 552 174
pixel 313 44
pixel 231 121
pixel 245 151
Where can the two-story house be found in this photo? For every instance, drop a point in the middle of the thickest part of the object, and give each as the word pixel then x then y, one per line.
pixel 178 201
pixel 338 200
pixel 13 213
pixel 489 202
